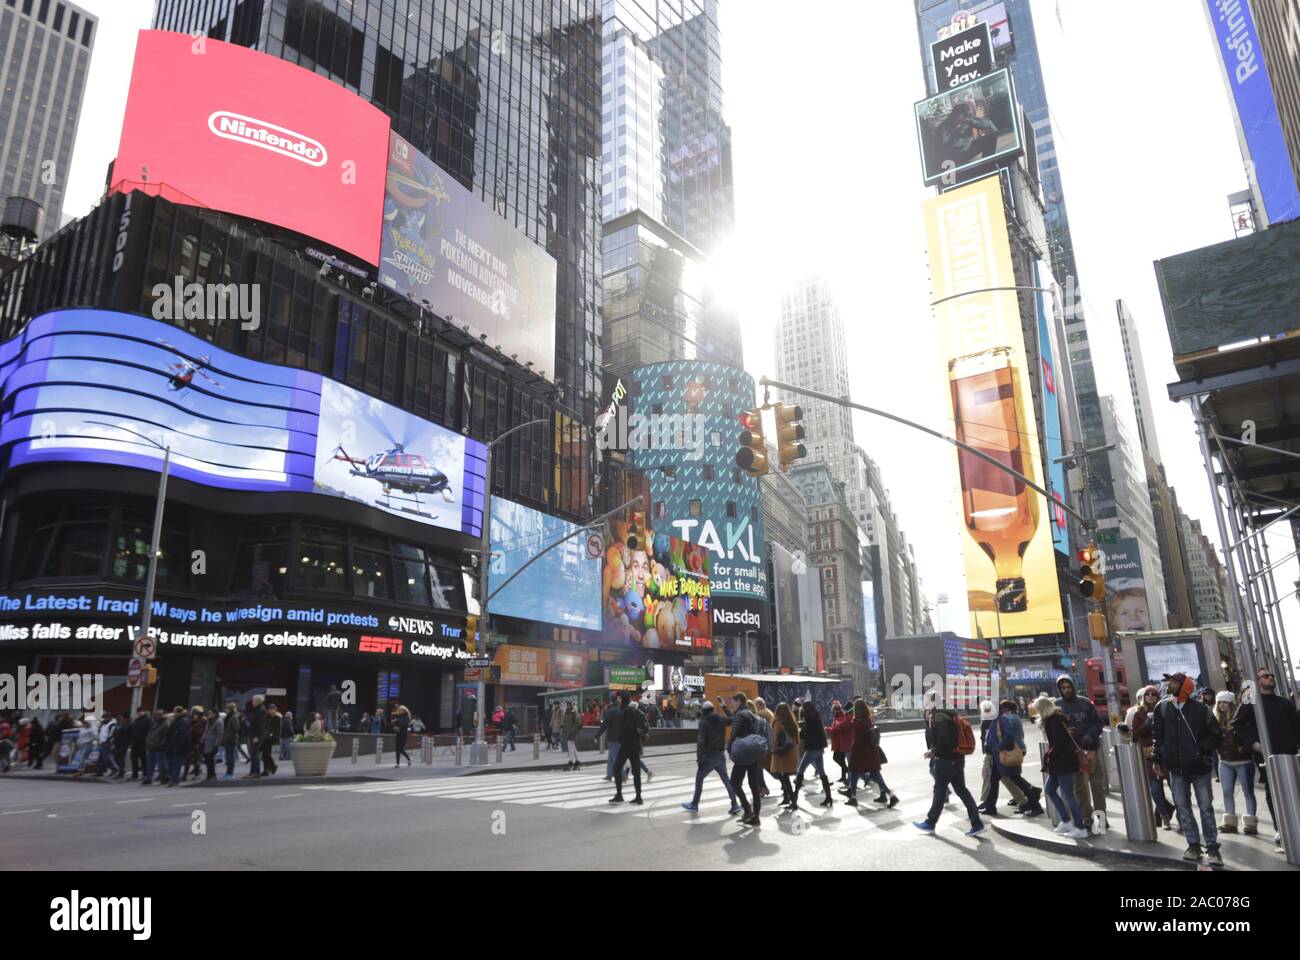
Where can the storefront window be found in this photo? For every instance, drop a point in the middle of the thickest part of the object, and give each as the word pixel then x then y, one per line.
pixel 410 579
pixel 66 542
pixel 262 560
pixel 323 560
pixel 130 560
pixel 368 574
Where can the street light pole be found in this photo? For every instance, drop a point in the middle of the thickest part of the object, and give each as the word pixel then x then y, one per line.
pixel 155 543
pixel 478 749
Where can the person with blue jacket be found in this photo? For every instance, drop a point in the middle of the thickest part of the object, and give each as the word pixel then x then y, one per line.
pixel 1006 732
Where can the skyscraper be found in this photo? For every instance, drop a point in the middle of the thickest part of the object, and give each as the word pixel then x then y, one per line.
pixel 45 49
pixel 811 352
pixel 503 96
pixel 666 147
pixel 1137 382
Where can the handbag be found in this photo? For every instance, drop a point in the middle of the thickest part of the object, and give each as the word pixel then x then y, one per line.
pixel 1011 757
pixel 784 743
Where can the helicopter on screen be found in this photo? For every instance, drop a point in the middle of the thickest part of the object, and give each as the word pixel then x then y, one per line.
pixel 181 374
pixel 395 469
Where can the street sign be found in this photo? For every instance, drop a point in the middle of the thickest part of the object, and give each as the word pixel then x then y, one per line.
pixel 135 672
pixel 480 662
pixel 595 546
pixel 145 647
pixel 472 673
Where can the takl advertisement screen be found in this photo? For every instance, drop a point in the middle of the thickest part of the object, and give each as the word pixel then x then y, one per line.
pixel 216 125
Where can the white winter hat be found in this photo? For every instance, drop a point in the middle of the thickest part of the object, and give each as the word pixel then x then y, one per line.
pixel 987 710
pixel 1225 696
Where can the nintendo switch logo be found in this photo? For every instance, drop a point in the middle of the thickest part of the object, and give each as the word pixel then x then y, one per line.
pixel 379 645
pixel 268 136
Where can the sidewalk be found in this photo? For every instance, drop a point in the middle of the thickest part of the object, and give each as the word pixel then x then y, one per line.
pixel 343 770
pixel 1239 852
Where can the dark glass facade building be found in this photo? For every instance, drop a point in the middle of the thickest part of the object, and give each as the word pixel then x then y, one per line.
pixel 503 94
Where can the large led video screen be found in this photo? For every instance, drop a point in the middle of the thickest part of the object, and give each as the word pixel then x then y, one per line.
pixel 95 386
pixel 968 126
pixel 217 125
pixel 656 589
pixel 1011 580
pixel 443 245
pixel 562 586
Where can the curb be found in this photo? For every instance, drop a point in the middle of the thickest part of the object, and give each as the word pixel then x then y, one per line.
pixel 1088 851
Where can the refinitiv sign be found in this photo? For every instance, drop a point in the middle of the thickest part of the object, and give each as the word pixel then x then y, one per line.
pixel 1248 77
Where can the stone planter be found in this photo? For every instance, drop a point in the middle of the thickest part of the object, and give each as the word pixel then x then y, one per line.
pixel 311 759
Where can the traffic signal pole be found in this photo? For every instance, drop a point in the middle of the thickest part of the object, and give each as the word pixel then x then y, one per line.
pixel 846 402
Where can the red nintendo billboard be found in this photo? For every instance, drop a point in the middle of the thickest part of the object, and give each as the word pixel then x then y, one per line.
pixel 220 126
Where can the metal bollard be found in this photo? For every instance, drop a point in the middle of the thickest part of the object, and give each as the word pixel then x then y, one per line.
pixel 356 748
pixel 500 747
pixel 1109 741
pixel 1051 807
pixel 1135 793
pixel 460 750
pixel 537 747
pixel 1284 783
pixel 426 751
pixel 604 743
pixel 379 749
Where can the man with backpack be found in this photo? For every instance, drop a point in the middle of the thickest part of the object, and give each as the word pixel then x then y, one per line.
pixel 155 743
pixel 230 738
pixel 950 740
pixel 1185 739
pixel 751 741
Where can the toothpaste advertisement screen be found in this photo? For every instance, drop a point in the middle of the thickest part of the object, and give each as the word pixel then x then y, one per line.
pixel 215 125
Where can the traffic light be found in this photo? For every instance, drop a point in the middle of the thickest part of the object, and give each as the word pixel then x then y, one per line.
pixel 789 431
pixel 494 673
pixel 150 676
pixel 1090 582
pixel 471 634
pixel 1097 625
pixel 752 456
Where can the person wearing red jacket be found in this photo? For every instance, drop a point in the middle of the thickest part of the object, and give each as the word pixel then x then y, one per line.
pixel 841 734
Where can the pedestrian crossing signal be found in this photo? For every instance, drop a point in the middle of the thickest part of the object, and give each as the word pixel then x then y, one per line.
pixel 752 456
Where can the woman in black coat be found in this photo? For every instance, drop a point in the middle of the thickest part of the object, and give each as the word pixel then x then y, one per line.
pixel 1062 765
pixel 631 728
pixel 813 738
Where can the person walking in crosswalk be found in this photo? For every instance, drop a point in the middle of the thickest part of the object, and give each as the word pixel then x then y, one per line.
pixel 711 756
pixel 750 745
pixel 632 728
pixel 813 743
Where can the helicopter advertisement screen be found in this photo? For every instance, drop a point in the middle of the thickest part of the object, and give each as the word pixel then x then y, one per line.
pixel 374 453
pixel 95 386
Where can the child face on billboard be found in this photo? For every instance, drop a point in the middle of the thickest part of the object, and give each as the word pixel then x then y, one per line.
pixel 1129 611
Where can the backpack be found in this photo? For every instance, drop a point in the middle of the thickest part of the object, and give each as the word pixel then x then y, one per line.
pixel 965 737
pixel 751 747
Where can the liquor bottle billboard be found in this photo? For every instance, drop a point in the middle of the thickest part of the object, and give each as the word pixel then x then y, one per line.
pixel 1007 539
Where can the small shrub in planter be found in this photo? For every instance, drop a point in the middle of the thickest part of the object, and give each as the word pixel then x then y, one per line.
pixel 311 752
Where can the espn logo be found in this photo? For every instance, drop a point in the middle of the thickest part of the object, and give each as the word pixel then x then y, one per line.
pixel 380 645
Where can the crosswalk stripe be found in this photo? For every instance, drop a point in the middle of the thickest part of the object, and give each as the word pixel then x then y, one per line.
pixel 503 790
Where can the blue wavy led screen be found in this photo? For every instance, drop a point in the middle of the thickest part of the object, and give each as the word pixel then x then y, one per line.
pixel 95 386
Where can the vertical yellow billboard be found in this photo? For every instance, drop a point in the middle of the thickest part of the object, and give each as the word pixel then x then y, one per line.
pixel 1007 532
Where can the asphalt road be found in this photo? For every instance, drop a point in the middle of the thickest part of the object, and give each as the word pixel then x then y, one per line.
pixel 522 819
